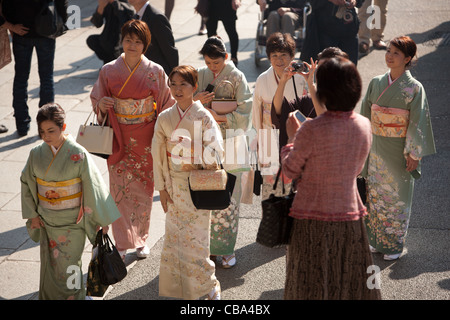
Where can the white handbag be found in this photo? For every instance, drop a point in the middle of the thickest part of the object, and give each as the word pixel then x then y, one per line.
pixel 97 139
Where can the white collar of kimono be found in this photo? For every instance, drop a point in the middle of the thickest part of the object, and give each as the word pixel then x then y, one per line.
pixel 140 13
pixel 390 79
pixel 180 111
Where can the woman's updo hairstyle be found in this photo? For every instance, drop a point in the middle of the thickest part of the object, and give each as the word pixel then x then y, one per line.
pixel 52 112
pixel 214 48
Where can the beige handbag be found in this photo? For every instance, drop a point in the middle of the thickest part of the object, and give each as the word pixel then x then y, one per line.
pixel 5 47
pixel 96 139
pixel 224 105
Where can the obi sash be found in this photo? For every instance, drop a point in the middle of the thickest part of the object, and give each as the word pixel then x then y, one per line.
pixel 131 111
pixel 389 122
pixel 59 195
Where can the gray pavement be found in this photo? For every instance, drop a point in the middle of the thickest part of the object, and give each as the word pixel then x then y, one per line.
pixel 423 272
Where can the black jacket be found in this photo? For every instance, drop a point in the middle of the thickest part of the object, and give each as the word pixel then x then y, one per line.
pixel 162 48
pixel 25 11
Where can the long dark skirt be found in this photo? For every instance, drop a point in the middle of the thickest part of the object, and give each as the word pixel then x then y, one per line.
pixel 329 261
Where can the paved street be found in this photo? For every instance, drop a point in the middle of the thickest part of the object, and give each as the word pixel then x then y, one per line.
pixel 423 272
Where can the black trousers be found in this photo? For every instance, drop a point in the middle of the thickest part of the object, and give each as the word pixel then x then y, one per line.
pixel 230 27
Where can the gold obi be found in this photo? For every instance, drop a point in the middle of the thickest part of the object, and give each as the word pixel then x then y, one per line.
pixel 178 160
pixel 267 115
pixel 131 111
pixel 389 122
pixel 59 195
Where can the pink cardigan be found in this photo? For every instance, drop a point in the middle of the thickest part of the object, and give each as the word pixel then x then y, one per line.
pixel 328 153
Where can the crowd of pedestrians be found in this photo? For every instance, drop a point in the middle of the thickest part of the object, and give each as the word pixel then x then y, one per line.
pixel 154 105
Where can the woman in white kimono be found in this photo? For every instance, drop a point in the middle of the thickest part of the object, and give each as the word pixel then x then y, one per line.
pixel 186 270
pixel 280 51
pixel 65 199
pixel 228 83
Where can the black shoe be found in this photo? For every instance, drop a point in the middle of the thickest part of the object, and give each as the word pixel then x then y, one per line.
pixel 22 133
pixel 3 129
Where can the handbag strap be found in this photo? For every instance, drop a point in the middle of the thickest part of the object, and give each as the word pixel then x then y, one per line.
pixel 103 123
pixel 228 83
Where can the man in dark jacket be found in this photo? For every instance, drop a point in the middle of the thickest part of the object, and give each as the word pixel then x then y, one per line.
pixel 114 13
pixel 162 48
pixel 24 40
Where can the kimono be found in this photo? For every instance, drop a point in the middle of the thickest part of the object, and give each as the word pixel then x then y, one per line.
pixel 186 270
pixel 224 224
pixel 401 125
pixel 67 192
pixel 140 95
pixel 268 139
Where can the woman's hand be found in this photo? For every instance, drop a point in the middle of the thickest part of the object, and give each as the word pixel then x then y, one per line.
pixel 309 76
pixel 165 199
pixel 235 4
pixel 411 164
pixel 104 104
pixel 205 97
pixel 18 29
pixel 292 125
pixel 105 229
pixel 36 223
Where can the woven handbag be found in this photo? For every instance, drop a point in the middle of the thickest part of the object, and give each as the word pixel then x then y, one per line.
pixel 276 224
pixel 224 105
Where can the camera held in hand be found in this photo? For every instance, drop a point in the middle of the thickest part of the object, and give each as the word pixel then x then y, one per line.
pixel 298 67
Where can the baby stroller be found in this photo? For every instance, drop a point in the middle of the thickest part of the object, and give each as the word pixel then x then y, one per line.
pixel 260 42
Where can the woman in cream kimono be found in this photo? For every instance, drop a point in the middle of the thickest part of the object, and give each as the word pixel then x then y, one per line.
pixel 280 51
pixel 228 82
pixel 131 91
pixel 64 199
pixel 398 109
pixel 186 271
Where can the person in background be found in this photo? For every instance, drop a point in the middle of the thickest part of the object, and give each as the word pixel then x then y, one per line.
pixel 186 270
pixel 217 72
pixel 324 156
pixel 283 16
pixel 131 91
pixel 114 13
pixel 225 11
pixel 162 49
pixel 6 25
pixel 397 106
pixel 21 15
pixel 65 200
pixel 376 32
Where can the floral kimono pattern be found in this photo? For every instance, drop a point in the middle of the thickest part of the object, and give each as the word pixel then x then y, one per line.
pixel 185 271
pixel 62 239
pixel 224 224
pixel 401 125
pixel 139 96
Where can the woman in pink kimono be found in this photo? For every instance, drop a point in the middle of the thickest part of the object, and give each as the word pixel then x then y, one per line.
pixel 131 91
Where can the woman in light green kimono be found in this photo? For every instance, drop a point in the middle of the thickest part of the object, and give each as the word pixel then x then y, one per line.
pixel 64 199
pixel 397 106
pixel 217 72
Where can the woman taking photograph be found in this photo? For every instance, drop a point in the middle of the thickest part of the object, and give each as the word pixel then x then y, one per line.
pixel 186 271
pixel 131 91
pixel 65 200
pixel 328 253
pixel 228 82
pixel 280 50
pixel 397 107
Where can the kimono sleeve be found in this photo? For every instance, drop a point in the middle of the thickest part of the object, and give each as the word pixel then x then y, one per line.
pixel 241 118
pixel 256 106
pixel 98 205
pixel 419 136
pixel 367 102
pixel 29 192
pixel 159 154
pixel 100 89
pixel 164 99
pixel 295 155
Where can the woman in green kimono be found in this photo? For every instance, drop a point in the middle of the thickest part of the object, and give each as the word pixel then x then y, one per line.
pixel 64 199
pixel 398 109
pixel 220 73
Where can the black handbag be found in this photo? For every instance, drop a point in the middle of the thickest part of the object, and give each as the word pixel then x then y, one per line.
pixel 48 23
pixel 214 199
pixel 276 224
pixel 94 286
pixel 362 188
pixel 112 268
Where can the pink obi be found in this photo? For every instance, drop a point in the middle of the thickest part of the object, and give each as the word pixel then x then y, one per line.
pixel 389 122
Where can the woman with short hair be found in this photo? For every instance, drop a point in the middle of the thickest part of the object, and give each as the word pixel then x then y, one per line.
pixel 328 255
